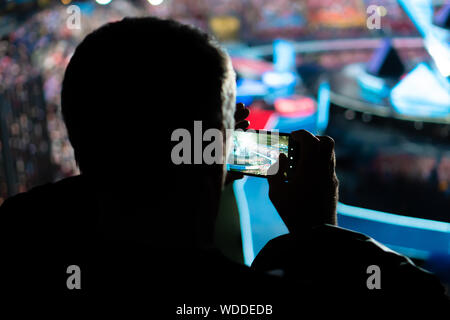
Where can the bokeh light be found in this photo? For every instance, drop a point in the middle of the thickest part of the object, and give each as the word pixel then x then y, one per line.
pixel 155 2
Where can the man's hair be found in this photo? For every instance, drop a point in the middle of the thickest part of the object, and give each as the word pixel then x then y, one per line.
pixel 130 83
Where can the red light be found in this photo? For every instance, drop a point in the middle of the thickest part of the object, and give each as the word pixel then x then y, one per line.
pixel 295 106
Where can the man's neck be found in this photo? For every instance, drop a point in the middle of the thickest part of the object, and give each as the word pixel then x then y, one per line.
pixel 124 223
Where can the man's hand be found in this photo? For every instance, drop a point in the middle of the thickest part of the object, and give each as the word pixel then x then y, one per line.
pixel 240 123
pixel 310 196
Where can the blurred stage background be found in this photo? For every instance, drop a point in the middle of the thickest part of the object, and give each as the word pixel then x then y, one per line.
pixel 382 93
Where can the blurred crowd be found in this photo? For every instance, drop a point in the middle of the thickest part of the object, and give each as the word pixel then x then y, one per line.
pixel 35 55
pixel 262 20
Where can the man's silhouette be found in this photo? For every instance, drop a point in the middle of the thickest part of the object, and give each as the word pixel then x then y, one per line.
pixel 137 225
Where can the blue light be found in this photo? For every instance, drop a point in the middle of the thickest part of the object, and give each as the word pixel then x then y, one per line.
pixel 414 237
pixel 421 94
pixel 283 56
pixel 250 87
pixel 276 79
pixel 244 217
pixel 323 106
pixel 436 40
pixel 393 219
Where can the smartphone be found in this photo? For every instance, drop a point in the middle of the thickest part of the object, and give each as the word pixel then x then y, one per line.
pixel 254 151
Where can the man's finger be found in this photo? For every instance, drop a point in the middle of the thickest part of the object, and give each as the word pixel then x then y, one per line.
pixel 241 114
pixel 242 124
pixel 233 176
pixel 308 145
pixel 304 136
pixel 276 172
pixel 327 152
pixel 326 145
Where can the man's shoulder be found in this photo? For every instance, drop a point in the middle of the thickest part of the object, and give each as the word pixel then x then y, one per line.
pixel 344 260
pixel 333 246
pixel 44 209
pixel 44 195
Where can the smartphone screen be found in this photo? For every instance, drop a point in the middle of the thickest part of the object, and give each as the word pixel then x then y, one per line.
pixel 254 151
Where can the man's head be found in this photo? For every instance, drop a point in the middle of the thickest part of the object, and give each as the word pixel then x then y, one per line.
pixel 142 75
pixel 128 86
